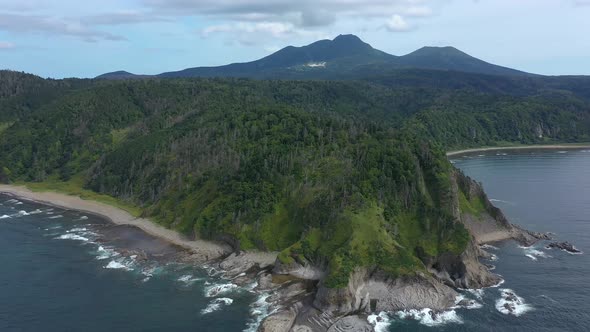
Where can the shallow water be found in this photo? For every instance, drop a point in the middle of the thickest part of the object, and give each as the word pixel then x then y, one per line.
pixel 57 274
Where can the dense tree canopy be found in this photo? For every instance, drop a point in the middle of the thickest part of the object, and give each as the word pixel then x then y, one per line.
pixel 353 173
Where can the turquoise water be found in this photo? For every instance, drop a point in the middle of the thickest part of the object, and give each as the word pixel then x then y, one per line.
pixel 59 273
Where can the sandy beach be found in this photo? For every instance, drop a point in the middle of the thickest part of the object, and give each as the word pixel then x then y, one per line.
pixel 204 250
pixel 524 147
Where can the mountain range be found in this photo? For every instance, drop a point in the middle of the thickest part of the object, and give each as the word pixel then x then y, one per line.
pixel 346 56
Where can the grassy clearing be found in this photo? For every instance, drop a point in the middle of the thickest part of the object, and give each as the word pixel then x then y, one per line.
pixel 75 187
pixel 119 135
pixel 474 206
pixel 4 126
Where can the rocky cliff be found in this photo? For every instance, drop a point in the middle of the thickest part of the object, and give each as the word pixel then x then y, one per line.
pixel 371 290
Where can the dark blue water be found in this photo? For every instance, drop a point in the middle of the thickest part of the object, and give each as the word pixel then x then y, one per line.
pixel 48 283
pixel 546 191
pixel 58 275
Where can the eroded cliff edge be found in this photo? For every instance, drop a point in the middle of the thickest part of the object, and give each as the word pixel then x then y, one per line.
pixel 323 308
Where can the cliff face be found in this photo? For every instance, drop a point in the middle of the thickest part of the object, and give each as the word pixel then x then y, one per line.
pixel 370 290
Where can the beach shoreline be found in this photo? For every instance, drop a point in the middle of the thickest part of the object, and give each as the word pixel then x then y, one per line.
pixel 520 147
pixel 200 249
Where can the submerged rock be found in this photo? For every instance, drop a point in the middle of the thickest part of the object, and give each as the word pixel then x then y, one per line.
pixel 563 246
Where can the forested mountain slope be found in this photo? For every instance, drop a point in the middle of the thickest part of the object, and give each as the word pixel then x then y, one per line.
pixel 349 173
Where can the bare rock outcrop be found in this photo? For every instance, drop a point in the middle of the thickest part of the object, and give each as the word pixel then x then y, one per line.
pixel 370 292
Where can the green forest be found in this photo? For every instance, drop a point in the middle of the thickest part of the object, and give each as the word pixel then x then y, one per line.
pixel 349 172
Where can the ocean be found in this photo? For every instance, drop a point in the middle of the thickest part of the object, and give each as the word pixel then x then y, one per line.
pixel 70 271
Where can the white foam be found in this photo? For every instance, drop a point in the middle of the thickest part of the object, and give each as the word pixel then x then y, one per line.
pixel 562 152
pixel 489 247
pixel 493 258
pixel 36 212
pixel 20 214
pixel 106 253
pixel 10 201
pixel 18 203
pixel 533 253
pixel 430 318
pixel 500 283
pixel 56 217
pixel 4 216
pixel 468 303
pixel 478 293
pixel 379 321
pixel 216 304
pixel 149 272
pixel 188 279
pixel 117 266
pixel 53 228
pixel 500 201
pixel 71 236
pixel 83 218
pixel 511 304
pixel 258 310
pixel 219 289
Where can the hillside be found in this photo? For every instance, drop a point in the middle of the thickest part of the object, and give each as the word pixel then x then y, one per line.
pixel 348 180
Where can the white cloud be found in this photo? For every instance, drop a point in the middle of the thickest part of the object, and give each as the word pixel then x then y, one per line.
pixel 260 18
pixel 48 25
pixel 6 45
pixel 259 33
pixel 397 24
pixel 302 13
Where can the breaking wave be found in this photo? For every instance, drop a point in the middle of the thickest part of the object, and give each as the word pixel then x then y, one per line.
pixel 500 201
pixel 489 247
pixel 533 253
pixel 72 236
pixel 216 304
pixel 429 317
pixel 106 253
pixel 219 289
pixel 258 310
pixel 188 279
pixel 380 322
pixel 511 304
pixel 463 302
pixel 115 265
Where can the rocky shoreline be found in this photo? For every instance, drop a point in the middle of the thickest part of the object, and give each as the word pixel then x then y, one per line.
pixel 299 301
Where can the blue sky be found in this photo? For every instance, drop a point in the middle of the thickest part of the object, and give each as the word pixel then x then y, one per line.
pixel 73 38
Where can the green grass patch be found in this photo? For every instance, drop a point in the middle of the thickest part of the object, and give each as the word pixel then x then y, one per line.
pixel 4 126
pixel 278 230
pixel 119 135
pixel 474 206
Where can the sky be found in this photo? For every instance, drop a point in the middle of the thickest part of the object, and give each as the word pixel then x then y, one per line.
pixel 86 38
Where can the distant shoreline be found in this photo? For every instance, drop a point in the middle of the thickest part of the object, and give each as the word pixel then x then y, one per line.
pixel 204 250
pixel 521 147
